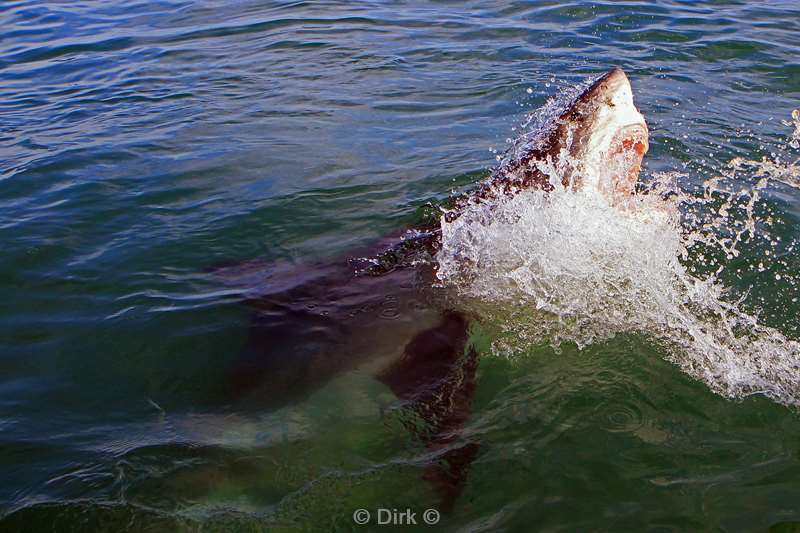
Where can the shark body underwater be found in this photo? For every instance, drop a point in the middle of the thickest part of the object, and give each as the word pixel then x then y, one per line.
pixel 381 314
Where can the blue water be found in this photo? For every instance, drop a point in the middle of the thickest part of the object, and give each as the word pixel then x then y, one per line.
pixel 141 143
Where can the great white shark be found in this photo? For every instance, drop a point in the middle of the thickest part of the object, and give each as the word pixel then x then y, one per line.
pixel 375 309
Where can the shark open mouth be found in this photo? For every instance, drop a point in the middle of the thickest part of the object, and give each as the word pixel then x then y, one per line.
pixel 625 156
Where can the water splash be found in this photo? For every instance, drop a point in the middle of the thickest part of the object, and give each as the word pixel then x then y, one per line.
pixel 568 267
pixel 794 141
pixel 537 126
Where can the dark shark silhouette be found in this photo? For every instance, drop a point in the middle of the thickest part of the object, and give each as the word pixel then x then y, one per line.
pixel 312 322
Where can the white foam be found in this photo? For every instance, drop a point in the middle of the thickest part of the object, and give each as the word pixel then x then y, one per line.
pixel 568 267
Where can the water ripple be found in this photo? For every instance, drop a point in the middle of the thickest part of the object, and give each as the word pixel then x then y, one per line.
pixel 142 142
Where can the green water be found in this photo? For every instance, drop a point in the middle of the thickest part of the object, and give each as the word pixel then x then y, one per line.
pixel 141 143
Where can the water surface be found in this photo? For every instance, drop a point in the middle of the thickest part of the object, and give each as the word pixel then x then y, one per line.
pixel 143 142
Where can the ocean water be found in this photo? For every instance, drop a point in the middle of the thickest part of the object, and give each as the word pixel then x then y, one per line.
pixel 143 144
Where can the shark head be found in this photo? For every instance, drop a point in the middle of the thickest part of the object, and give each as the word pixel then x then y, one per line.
pixel 594 142
pixel 597 142
pixel 602 137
